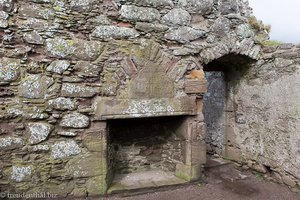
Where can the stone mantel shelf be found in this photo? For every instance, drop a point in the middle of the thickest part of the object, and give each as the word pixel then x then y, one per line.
pixel 114 108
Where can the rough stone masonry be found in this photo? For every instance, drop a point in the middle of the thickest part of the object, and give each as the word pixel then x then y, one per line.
pixel 66 66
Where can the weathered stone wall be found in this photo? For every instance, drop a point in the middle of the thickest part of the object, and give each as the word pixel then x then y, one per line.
pixel 266 124
pixel 60 61
pixel 146 144
pixel 259 123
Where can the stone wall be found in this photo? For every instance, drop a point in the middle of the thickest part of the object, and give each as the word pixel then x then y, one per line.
pixel 267 122
pixel 259 122
pixel 61 61
pixel 146 144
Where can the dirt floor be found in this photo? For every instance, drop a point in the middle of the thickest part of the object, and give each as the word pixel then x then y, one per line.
pixel 222 182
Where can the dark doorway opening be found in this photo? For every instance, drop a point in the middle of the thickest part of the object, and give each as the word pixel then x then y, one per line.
pixel 223 76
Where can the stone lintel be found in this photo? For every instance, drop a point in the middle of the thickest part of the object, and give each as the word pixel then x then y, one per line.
pixel 110 108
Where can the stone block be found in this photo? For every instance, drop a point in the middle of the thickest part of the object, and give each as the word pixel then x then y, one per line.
pixel 193 86
pixel 198 153
pixel 83 5
pixel 33 37
pixel 64 149
pixel 62 103
pixel 188 172
pixel 200 7
pixel 58 66
pixel 32 10
pixel 184 34
pixel 113 108
pixel 87 166
pixel 95 142
pixel 228 7
pixel 75 120
pixel 106 32
pixel 87 69
pixel 233 153
pixel 38 132
pixel 34 86
pixel 289 181
pixel 177 16
pixel 21 173
pixel 150 27
pixel 76 48
pixel 9 69
pixel 155 3
pixel 96 186
pixel 7 143
pixel 135 13
pixel 78 90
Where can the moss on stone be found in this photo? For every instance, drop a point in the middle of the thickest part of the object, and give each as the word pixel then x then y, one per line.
pixel 270 43
pixel 187 172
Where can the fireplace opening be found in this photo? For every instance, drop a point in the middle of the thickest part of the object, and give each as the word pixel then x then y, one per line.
pixel 144 152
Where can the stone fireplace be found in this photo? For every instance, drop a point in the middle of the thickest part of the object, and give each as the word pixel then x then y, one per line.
pixel 154 125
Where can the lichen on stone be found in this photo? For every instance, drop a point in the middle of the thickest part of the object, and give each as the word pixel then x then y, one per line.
pixel 34 86
pixel 67 133
pixel 108 31
pixel 78 90
pixel 135 13
pixel 58 66
pixel 75 120
pixel 9 141
pixel 65 149
pixel 20 173
pixel 33 38
pixel 148 107
pixel 177 16
pixel 62 103
pixel 9 69
pixel 38 132
pixel 40 148
pixel 155 3
pixel 83 5
pixel 184 34
pixel 60 47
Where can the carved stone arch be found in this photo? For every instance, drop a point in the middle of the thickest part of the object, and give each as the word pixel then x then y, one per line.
pixel 246 47
pixel 148 76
